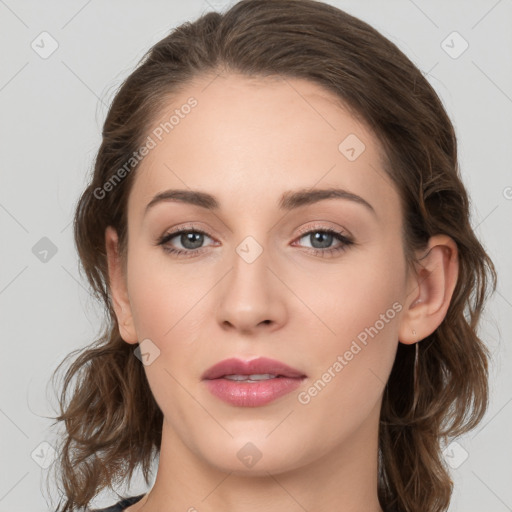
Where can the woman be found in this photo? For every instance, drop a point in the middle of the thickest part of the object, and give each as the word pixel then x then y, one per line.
pixel 278 229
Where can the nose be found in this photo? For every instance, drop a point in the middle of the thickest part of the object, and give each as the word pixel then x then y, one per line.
pixel 252 297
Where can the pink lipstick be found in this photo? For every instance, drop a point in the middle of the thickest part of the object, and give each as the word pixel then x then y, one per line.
pixel 251 383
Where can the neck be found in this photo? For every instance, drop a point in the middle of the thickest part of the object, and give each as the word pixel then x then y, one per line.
pixel 344 479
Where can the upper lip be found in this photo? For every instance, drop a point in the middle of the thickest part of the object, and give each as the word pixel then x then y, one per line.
pixel 261 365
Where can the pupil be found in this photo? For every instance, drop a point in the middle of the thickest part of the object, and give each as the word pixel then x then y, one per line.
pixel 325 239
pixel 194 239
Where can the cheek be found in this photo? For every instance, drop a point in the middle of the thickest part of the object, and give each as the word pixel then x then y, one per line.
pixel 169 304
pixel 155 295
pixel 365 285
pixel 349 368
pixel 359 309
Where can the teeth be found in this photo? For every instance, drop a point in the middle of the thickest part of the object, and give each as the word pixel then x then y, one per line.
pixel 251 378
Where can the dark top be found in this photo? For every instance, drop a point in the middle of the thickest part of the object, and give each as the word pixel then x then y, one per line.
pixel 120 505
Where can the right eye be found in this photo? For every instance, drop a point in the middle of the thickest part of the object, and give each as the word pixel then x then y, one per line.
pixel 191 241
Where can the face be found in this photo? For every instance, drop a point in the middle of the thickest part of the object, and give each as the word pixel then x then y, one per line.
pixel 315 282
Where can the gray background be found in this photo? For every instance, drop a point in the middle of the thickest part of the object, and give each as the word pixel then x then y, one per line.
pixel 52 110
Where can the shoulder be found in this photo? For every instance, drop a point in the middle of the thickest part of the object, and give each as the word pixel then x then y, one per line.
pixel 120 505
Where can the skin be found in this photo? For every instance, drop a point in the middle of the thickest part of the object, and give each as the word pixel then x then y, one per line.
pixel 247 142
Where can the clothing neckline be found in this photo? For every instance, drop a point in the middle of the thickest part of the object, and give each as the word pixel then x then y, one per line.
pixel 120 506
pixel 130 501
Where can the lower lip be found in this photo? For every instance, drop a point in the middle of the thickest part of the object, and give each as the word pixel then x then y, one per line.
pixel 252 394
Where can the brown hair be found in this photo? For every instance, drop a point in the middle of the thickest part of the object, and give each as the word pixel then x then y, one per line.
pixel 112 422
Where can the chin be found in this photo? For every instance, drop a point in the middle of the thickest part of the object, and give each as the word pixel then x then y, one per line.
pixel 257 456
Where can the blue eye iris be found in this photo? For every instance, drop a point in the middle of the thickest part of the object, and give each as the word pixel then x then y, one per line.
pixel 324 238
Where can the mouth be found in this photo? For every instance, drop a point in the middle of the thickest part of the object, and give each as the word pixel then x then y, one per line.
pixel 258 369
pixel 257 377
pixel 251 383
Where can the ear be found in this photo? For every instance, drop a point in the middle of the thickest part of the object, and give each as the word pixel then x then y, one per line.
pixel 118 289
pixel 431 290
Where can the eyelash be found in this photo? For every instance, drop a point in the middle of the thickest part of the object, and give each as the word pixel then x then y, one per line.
pixel 345 242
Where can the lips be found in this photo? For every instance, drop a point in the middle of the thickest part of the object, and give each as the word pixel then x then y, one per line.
pixel 252 383
pixel 258 366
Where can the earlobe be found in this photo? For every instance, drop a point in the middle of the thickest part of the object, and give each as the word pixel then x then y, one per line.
pixel 431 290
pixel 118 289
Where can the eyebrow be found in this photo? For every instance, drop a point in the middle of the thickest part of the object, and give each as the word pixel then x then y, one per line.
pixel 289 200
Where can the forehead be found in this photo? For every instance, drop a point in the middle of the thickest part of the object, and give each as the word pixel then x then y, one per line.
pixel 246 140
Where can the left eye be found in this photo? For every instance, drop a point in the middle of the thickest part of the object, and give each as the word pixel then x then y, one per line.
pixel 323 237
